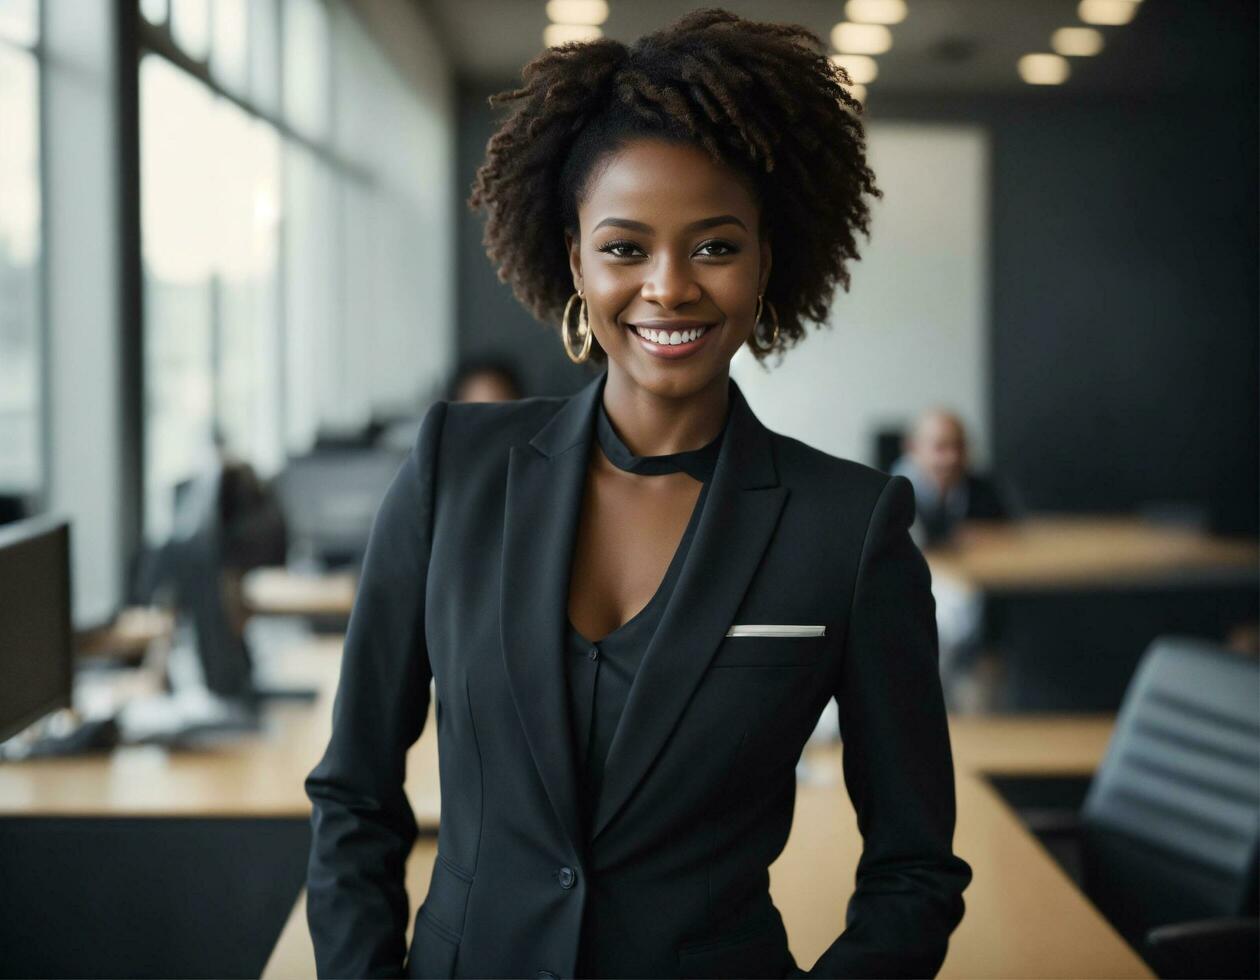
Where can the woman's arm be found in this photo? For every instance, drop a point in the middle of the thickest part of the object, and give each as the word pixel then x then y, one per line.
pixel 898 766
pixel 362 825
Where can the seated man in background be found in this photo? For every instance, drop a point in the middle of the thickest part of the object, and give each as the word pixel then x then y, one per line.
pixel 945 492
pixel 935 460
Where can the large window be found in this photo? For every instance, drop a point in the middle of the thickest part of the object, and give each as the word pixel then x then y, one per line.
pixel 21 363
pixel 210 206
pixel 285 168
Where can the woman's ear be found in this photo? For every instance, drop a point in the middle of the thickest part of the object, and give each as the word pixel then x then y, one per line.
pixel 765 267
pixel 574 248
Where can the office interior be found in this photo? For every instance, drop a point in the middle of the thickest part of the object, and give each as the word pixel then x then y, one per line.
pixel 237 267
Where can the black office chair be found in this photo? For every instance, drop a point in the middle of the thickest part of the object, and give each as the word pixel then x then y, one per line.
pixel 1169 833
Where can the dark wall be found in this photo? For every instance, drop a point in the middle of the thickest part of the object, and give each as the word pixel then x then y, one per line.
pixel 1125 342
pixel 1123 237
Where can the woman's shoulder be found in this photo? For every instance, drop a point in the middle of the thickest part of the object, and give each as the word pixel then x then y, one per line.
pixel 802 464
pixel 479 426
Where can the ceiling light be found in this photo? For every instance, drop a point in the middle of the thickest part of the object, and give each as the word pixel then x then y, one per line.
pixel 1043 69
pixel 1111 12
pixel 555 34
pixel 862 70
pixel 850 38
pixel 876 11
pixel 577 11
pixel 1079 42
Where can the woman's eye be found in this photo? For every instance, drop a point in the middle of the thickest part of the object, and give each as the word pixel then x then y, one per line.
pixel 726 248
pixel 621 250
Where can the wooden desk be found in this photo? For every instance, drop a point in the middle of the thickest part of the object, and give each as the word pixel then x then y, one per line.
pixel 133 853
pixel 129 637
pixel 281 592
pixel 1054 552
pixel 256 775
pixel 1030 744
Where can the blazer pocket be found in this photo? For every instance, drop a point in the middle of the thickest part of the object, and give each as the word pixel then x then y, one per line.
pixel 439 923
pixel 776 629
pixel 759 950
pixel 780 645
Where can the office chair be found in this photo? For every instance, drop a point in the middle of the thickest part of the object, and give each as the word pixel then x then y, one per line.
pixel 1169 834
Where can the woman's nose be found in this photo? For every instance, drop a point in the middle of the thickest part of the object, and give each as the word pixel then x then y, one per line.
pixel 671 283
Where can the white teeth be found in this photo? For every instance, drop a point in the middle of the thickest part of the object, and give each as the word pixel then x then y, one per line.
pixel 672 338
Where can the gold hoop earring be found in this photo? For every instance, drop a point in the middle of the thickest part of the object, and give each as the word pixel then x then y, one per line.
pixel 584 330
pixel 774 335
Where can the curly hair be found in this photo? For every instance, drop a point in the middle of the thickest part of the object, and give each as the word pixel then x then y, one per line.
pixel 763 99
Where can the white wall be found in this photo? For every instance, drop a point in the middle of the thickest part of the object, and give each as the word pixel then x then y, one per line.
pixel 913 330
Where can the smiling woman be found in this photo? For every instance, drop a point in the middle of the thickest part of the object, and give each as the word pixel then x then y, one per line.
pixel 634 603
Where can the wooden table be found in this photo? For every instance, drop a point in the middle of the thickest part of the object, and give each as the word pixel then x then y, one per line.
pixel 255 775
pixel 129 637
pixel 152 862
pixel 282 592
pixel 1053 552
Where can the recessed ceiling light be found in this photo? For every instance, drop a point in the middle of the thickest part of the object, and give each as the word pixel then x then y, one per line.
pixel 876 11
pixel 1078 42
pixel 1044 69
pixel 861 69
pixel 554 34
pixel 850 38
pixel 577 11
pixel 1110 12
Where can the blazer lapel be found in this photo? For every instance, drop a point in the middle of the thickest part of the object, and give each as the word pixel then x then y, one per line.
pixel 737 524
pixel 545 485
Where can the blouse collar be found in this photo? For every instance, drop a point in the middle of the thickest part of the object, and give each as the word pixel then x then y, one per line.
pixel 697 463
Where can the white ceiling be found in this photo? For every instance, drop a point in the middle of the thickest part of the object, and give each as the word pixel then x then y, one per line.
pixel 942 47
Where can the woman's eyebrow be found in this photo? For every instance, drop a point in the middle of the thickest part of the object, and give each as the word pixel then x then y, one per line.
pixel 720 219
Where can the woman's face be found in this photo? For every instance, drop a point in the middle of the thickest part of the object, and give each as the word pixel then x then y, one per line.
pixel 669 243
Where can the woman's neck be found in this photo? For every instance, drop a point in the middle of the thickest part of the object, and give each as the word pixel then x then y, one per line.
pixel 654 425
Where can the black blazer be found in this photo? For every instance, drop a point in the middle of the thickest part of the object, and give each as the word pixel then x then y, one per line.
pixel 465 583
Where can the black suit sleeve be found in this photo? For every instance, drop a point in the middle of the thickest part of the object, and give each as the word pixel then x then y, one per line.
pixel 898 765
pixel 362 824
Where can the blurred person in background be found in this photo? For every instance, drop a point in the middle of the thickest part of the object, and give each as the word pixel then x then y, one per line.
pixel 946 492
pixel 484 379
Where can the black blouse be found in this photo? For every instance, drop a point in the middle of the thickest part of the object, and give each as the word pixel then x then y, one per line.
pixel 601 672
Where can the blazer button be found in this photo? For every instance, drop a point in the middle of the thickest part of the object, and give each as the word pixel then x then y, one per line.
pixel 594 654
pixel 546 975
pixel 567 876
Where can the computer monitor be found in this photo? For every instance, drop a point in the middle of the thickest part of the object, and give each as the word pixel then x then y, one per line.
pixel 197 565
pixel 330 499
pixel 204 548
pixel 36 628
